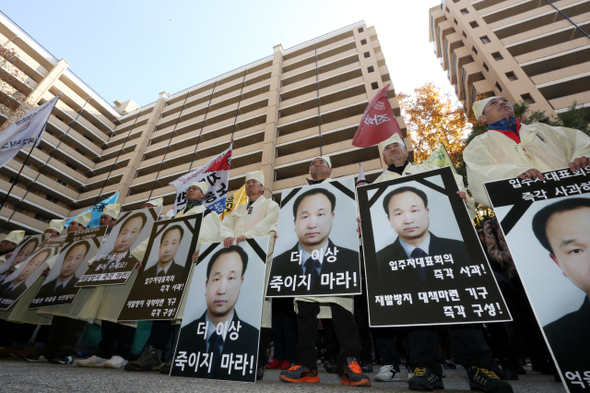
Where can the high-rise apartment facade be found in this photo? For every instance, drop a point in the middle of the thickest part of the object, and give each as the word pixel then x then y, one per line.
pixel 280 112
pixel 537 51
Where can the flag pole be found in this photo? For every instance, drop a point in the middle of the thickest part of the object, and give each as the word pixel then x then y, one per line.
pixel 19 172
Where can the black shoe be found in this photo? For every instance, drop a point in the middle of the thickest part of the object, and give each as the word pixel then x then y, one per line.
pixel 165 368
pixel 425 380
pixel 150 360
pixel 487 381
pixel 509 375
pixel 330 366
pixel 63 359
pixel 366 366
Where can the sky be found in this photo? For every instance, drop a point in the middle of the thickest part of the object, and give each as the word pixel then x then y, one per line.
pixel 135 49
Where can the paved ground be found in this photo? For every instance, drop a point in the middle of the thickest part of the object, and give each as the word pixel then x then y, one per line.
pixel 19 376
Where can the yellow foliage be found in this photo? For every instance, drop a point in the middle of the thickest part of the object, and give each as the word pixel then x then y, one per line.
pixel 432 119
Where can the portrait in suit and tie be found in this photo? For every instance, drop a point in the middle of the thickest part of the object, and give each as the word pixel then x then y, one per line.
pixel 64 283
pixel 318 251
pixel 129 230
pixel 16 284
pixel 219 331
pixel 166 265
pixel 408 214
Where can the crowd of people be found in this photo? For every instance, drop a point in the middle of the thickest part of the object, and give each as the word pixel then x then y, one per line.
pixel 306 329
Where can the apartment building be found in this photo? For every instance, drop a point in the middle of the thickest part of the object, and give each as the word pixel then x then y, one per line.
pixel 537 51
pixel 280 112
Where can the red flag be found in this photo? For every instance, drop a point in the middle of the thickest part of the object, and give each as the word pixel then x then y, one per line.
pixel 378 122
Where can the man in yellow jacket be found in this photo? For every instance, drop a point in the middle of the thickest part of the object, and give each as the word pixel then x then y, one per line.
pixel 510 149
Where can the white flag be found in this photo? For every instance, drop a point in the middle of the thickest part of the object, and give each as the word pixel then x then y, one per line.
pixel 26 131
pixel 215 173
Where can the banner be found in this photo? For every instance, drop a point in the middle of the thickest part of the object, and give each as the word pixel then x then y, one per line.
pixel 114 262
pixel 317 252
pixel 71 263
pixel 220 330
pixel 547 228
pixel 215 173
pixel 157 292
pixel 96 211
pixel 424 262
pixel 378 122
pixel 238 198
pixel 26 131
pixel 440 158
pixel 14 285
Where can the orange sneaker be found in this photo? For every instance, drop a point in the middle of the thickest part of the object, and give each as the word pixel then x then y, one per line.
pixel 352 374
pixel 300 374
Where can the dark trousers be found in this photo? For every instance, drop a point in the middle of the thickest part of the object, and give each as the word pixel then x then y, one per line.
pixel 116 340
pixel 283 336
pixel 15 333
pixel 307 324
pixel 386 345
pixel 160 334
pixel 467 342
pixel 64 337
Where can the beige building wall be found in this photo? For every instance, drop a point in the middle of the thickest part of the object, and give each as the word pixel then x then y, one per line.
pixel 522 50
pixel 280 112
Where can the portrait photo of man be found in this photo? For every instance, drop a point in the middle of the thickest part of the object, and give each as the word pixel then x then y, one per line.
pixel 563 229
pixel 315 253
pixel 408 214
pixel 22 252
pixel 13 287
pixel 219 330
pixel 64 282
pixel 170 242
pixel 130 229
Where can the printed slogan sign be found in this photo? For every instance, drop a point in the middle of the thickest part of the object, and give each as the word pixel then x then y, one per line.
pixel 423 260
pixel 547 228
pixel 317 250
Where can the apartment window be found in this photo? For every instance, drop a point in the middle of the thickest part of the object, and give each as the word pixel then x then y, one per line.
pixel 51 199
pixel 474 50
pixel 485 39
pixel 498 87
pixel 511 76
pixel 63 183
pixel 41 217
pixel 367 54
pixel 447 9
pixel 464 35
pixel 527 98
pixel 71 166
pixel 455 21
pixel 371 69
pixel 485 66
pixel 497 56
pixel 473 24
pixel 361 30
pixel 374 85
pixel 87 137
pixel 456 1
pixel 464 11
pixel 363 42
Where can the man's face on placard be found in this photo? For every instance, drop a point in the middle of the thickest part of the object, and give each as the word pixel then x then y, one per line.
pixel 169 246
pixel 568 233
pixel 313 222
pixel 408 216
pixel 32 265
pixel 24 253
pixel 128 234
pixel 72 261
pixel 223 285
